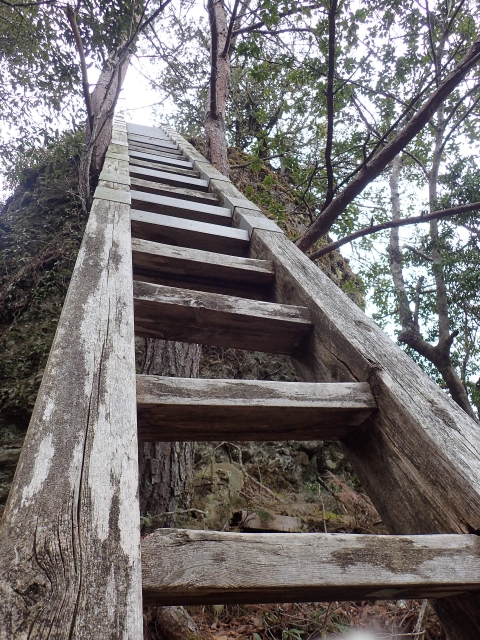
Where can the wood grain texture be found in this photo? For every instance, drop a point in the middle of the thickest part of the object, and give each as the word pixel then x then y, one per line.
pixel 201 270
pixel 185 315
pixel 172 191
pixel 189 233
pixel 69 541
pixel 209 567
pixel 160 159
pixel 197 409
pixel 210 213
pixel 168 178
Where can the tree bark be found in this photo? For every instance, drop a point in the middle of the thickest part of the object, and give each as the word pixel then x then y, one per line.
pixel 218 88
pixel 165 467
pixel 164 472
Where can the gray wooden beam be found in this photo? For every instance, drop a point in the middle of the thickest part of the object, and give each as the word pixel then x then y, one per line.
pixel 69 538
pixel 201 270
pixel 149 186
pixel 180 208
pixel 168 178
pixel 185 315
pixel 184 409
pixel 210 567
pixel 152 157
pixel 161 167
pixel 189 233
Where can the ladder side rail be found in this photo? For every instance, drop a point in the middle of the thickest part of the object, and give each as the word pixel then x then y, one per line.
pixel 70 539
pixel 418 455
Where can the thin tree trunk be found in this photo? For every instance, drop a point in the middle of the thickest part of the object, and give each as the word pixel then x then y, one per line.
pixel 97 137
pixel 218 88
pixel 438 355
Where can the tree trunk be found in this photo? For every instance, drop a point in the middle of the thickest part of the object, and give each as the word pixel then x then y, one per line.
pixel 165 470
pixel 97 138
pixel 218 88
pixel 165 467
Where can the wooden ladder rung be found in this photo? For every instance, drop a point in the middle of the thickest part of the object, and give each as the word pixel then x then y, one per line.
pixel 170 313
pixel 157 151
pixel 148 186
pixel 153 142
pixel 189 233
pixel 152 132
pixel 164 168
pixel 207 567
pixel 181 208
pixel 152 157
pixel 189 409
pixel 201 270
pixel 169 178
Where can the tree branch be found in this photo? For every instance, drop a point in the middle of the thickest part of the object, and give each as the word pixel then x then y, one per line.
pixel 378 163
pixel 417 252
pixel 374 228
pixel 228 39
pixel 72 18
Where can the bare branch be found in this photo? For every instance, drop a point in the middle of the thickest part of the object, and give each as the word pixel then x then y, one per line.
pixel 374 228
pixel 332 16
pixel 285 14
pixel 417 252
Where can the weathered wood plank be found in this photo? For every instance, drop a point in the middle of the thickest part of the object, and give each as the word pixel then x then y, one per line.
pixel 189 233
pixel 70 540
pixel 420 460
pixel 209 567
pixel 152 157
pixel 185 193
pixel 143 130
pixel 154 142
pixel 201 270
pixel 169 178
pixel 185 315
pixel 180 208
pixel 157 151
pixel 170 169
pixel 184 409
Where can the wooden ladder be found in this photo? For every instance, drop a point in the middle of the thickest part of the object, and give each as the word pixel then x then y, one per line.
pixel 210 268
